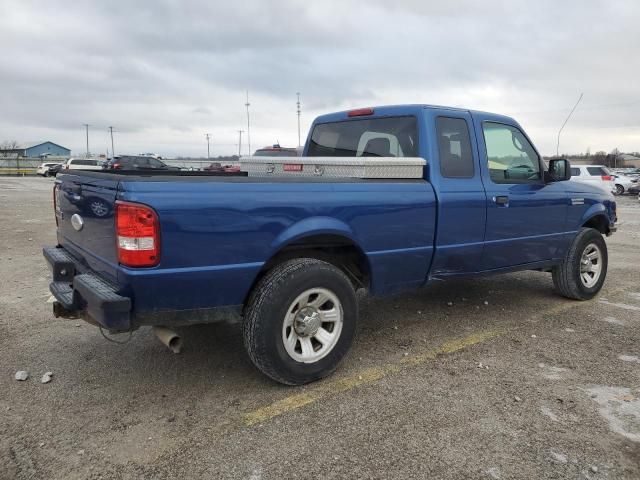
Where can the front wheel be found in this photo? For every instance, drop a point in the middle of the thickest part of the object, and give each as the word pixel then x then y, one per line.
pixel 619 189
pixel 300 321
pixel 582 273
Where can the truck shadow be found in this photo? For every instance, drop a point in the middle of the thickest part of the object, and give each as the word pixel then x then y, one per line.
pixel 213 361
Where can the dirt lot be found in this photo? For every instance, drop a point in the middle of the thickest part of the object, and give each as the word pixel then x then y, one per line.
pixel 507 381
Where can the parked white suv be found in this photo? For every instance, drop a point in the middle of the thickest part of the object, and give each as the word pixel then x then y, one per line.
pixel 83 164
pixel 595 174
pixel 43 168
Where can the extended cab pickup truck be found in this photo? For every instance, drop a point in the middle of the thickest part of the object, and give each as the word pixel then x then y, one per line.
pixel 285 254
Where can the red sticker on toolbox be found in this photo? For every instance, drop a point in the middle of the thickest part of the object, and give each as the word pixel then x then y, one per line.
pixel 292 167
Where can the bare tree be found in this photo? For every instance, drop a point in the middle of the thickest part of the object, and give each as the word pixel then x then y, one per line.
pixel 9 145
pixel 8 148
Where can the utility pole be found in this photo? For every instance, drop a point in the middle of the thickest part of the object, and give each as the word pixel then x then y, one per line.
pixel 248 124
pixel 240 142
pixel 86 126
pixel 113 151
pixel 208 135
pixel 298 105
pixel 565 122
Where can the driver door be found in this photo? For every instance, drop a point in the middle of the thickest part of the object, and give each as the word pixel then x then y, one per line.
pixel 526 217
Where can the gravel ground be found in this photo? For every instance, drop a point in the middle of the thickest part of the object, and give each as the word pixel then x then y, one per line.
pixel 489 378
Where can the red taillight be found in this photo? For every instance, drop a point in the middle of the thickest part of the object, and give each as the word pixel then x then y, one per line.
pixel 117 165
pixel 138 235
pixel 607 178
pixel 360 112
pixel 55 202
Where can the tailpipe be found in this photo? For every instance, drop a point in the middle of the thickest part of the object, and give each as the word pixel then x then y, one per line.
pixel 170 338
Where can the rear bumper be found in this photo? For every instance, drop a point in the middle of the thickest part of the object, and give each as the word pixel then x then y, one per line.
pixel 79 292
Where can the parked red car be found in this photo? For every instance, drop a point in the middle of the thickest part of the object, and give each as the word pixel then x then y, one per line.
pixel 218 167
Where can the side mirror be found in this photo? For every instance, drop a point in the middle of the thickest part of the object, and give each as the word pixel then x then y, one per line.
pixel 559 170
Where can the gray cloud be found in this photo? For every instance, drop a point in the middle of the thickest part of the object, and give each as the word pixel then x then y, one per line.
pixel 165 72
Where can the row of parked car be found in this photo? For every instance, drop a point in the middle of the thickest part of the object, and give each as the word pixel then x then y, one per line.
pixel 124 162
pixel 149 162
pixel 626 180
pixel 619 182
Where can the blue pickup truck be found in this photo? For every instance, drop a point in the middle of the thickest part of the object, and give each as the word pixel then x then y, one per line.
pixel 286 254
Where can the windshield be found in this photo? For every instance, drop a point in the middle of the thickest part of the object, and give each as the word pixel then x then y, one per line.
pixel 375 137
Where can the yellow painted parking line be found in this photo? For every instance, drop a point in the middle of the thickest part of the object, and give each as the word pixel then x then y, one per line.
pixel 370 375
pixel 330 388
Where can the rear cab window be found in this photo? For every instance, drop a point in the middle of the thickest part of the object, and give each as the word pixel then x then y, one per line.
pixel 454 148
pixel 276 152
pixel 372 137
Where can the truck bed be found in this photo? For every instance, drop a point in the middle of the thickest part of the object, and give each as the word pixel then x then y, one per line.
pixel 217 232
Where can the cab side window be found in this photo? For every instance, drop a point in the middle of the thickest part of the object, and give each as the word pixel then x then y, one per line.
pixel 512 159
pixel 454 148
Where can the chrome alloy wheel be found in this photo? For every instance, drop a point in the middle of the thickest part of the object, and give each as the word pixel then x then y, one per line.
pixel 590 265
pixel 312 325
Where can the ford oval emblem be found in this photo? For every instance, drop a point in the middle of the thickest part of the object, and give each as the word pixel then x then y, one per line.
pixel 77 222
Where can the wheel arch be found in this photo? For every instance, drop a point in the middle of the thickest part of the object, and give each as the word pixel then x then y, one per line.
pixel 599 222
pixel 330 241
pixel 596 217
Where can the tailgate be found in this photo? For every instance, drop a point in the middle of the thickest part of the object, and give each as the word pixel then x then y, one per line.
pixel 85 213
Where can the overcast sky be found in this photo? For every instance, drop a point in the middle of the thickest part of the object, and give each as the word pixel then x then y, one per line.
pixel 164 73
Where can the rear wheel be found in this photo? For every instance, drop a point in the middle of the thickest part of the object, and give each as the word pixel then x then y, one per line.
pixel 584 269
pixel 619 189
pixel 300 321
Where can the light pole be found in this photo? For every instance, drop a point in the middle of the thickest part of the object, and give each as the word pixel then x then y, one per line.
pixel 240 143
pixel 208 135
pixel 565 122
pixel 248 124
pixel 113 151
pixel 86 126
pixel 298 105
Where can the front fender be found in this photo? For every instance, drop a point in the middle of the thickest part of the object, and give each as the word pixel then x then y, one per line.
pixel 593 211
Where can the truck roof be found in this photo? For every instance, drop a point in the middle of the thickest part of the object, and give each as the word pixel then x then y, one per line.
pixel 406 109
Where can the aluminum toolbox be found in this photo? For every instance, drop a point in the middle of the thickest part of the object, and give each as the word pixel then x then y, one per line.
pixel 334 167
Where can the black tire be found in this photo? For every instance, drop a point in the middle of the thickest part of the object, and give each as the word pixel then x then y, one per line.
pixel 619 189
pixel 566 276
pixel 45 174
pixel 266 310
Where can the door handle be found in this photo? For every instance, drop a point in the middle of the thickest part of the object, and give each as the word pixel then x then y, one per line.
pixel 501 200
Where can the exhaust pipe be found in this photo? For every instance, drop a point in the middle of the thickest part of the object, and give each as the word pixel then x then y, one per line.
pixel 170 338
